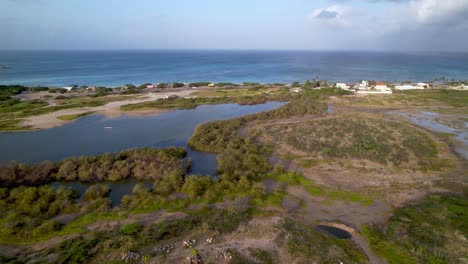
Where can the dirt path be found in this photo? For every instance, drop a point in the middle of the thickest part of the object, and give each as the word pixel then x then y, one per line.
pixel 110 110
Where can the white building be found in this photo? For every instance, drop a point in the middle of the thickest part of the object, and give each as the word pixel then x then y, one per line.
pixel 296 90
pixel 375 92
pixel 343 86
pixel 364 85
pixel 423 85
pixel 68 88
pixel 460 87
pixel 408 87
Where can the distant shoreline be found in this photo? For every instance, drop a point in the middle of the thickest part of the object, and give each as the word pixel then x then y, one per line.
pixel 118 67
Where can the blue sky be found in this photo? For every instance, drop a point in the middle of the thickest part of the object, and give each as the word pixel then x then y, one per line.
pixel 236 24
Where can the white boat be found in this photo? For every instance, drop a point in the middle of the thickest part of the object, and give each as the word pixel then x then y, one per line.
pixel 107 127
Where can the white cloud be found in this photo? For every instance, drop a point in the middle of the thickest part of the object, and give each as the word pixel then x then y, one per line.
pixel 335 15
pixel 427 14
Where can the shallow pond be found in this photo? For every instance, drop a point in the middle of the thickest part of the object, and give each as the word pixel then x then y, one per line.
pixel 334 231
pixel 429 120
pixel 118 189
pixel 88 136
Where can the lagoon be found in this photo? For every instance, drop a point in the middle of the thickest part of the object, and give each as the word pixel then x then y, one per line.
pixel 88 136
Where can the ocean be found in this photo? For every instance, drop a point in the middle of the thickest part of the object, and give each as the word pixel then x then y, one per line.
pixel 114 68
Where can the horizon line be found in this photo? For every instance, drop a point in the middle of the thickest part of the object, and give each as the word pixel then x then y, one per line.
pixel 236 50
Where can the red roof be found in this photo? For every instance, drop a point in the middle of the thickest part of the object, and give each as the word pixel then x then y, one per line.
pixel 380 83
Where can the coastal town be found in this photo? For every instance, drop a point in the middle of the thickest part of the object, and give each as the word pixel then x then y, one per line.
pixel 361 87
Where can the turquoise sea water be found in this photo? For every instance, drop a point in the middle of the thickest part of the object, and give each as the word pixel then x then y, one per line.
pixel 112 68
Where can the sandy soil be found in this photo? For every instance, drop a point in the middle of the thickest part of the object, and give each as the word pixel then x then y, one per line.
pixel 110 110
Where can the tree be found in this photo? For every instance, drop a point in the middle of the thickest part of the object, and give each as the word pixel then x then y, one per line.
pixel 195 186
pixel 162 85
pixel 177 85
pixel 143 86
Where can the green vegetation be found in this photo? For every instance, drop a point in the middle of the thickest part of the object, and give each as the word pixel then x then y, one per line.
pixel 190 103
pixel 313 246
pixel 427 97
pixel 215 136
pixel 294 178
pixel 130 229
pixel 6 91
pixel 177 85
pixel 12 125
pixel 77 250
pixel 359 137
pixel 26 212
pixel 453 98
pixel 199 84
pixel 57 90
pixel 13 110
pixel 240 96
pixel 427 232
pixel 145 163
pixel 15 105
pixel 431 231
pixel 130 91
pixel 109 246
pixel 225 84
pixel 73 116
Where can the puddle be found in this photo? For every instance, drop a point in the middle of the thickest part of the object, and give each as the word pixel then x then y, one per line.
pixel 330 109
pixel 429 121
pixel 429 113
pixel 334 231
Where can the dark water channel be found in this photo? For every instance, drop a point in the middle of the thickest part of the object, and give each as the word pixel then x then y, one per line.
pixel 334 231
pixel 88 136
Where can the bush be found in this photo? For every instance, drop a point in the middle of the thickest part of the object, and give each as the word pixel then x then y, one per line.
pixel 177 85
pixel 78 250
pixel 196 186
pixel 144 163
pixel 199 84
pixel 46 227
pixel 130 229
pixel 96 192
pixel 130 91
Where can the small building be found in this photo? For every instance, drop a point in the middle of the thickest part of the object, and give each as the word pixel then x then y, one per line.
pixel 296 90
pixel 381 86
pixel 423 85
pixel 343 86
pixel 91 88
pixel 151 86
pixel 408 87
pixel 68 88
pixel 363 85
pixel 211 85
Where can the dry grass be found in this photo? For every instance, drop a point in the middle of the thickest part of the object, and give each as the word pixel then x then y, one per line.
pixel 359 137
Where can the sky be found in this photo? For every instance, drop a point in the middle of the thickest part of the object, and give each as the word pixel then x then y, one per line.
pixel 393 25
